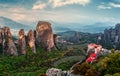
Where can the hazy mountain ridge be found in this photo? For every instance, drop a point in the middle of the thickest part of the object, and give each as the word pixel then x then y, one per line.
pixel 92 28
pixel 58 27
pixel 12 24
pixel 97 27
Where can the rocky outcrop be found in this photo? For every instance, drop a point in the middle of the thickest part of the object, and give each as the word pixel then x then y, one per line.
pixel 8 44
pixel 44 35
pixel 106 36
pixel 12 48
pixel 55 72
pixel 22 42
pixel 31 40
pixel 83 69
pixel 112 37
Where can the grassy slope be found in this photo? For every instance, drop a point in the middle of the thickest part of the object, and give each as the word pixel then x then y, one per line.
pixel 29 65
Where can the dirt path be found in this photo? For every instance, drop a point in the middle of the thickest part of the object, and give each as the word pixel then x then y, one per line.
pixel 69 59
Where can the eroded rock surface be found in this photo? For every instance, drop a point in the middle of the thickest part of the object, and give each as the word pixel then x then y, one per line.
pixel 31 40
pixel 22 42
pixel 8 44
pixel 44 35
pixel 111 37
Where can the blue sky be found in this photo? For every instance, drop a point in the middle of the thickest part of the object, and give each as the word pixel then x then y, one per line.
pixel 61 11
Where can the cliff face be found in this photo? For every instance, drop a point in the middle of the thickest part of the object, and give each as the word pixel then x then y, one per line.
pixel 6 42
pixel 44 35
pixel 22 42
pixel 31 40
pixel 112 36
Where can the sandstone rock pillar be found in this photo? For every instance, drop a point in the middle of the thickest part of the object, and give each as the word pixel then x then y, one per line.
pixel 22 42
pixel 31 41
pixel 44 35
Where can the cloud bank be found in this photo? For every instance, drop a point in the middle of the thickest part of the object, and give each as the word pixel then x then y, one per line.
pixel 58 3
pixel 109 5
pixel 39 6
pixel 114 5
pixel 104 7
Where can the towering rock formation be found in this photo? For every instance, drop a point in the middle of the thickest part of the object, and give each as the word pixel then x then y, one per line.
pixel 31 40
pixel 12 48
pixel 1 39
pixel 22 42
pixel 8 44
pixel 44 35
pixel 112 37
pixel 106 36
pixel 77 37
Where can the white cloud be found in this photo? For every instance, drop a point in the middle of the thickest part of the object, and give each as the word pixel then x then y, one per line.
pixel 57 16
pixel 108 6
pixel 29 15
pixel 16 10
pixel 39 6
pixel 59 3
pixel 19 14
pixel 114 5
pixel 104 7
pixel 61 16
pixel 108 19
pixel 18 17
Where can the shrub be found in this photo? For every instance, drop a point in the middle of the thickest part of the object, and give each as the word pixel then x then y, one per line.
pixel 85 69
pixel 109 64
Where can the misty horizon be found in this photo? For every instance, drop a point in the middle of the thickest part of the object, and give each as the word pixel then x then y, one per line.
pixel 64 15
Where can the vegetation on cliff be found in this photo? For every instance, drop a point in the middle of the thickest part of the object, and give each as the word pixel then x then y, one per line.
pixel 109 65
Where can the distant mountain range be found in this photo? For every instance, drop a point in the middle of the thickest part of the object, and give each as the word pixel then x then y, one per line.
pixel 93 28
pixel 57 27
pixel 12 24
pixel 97 27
